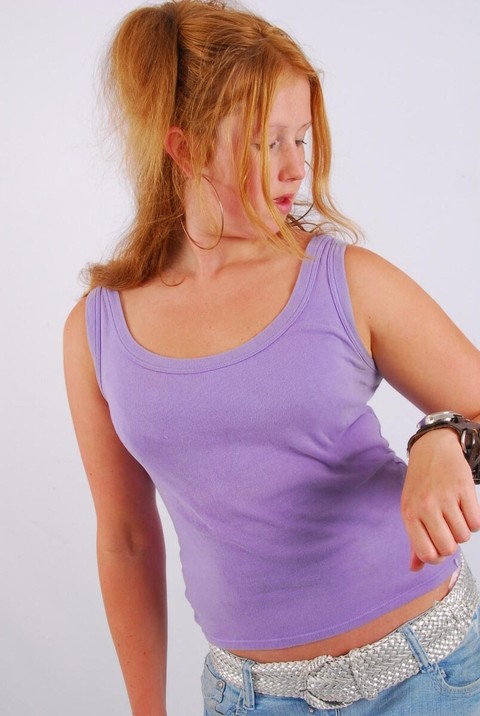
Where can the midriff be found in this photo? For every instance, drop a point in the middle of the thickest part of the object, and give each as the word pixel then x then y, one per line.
pixel 355 638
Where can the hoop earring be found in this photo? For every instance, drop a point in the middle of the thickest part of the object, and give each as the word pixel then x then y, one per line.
pixel 208 248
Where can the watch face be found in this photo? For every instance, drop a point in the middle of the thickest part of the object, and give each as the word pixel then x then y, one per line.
pixel 446 416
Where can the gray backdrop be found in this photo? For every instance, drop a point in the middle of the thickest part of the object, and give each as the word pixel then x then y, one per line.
pixel 401 83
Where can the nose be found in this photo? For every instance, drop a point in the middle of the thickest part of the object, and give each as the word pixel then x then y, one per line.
pixel 293 164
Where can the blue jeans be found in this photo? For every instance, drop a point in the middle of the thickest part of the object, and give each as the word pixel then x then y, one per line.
pixel 449 688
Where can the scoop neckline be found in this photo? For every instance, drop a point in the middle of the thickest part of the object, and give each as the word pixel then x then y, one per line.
pixel 261 340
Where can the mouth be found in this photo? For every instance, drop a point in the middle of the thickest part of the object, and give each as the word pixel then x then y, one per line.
pixel 284 203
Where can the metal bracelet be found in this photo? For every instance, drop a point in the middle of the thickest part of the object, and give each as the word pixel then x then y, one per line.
pixel 469 433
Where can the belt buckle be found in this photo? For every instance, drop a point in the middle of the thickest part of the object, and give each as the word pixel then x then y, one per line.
pixel 314 671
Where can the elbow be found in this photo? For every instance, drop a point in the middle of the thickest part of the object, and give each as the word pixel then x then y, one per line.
pixel 130 543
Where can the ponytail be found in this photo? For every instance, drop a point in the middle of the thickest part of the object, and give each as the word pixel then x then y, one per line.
pixel 140 82
pixel 142 76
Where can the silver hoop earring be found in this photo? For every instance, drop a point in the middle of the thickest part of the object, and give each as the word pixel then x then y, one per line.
pixel 208 248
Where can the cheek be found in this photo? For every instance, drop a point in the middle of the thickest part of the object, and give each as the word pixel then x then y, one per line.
pixel 254 187
pixel 230 193
pixel 231 201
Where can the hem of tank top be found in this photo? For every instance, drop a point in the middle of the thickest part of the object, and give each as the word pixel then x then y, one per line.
pixel 344 308
pixel 269 335
pixel 452 563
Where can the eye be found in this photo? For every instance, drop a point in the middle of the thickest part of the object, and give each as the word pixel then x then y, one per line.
pixel 273 145
pixel 300 142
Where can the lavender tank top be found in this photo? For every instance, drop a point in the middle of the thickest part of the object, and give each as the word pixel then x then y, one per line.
pixel 283 492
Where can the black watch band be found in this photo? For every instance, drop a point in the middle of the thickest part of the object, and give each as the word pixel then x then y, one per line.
pixel 468 431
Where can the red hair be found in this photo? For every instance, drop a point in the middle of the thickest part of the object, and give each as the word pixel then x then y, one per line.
pixel 189 64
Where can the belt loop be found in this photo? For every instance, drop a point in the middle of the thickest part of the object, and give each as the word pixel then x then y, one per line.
pixel 417 649
pixel 248 691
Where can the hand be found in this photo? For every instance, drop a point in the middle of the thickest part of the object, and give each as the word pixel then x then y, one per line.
pixel 439 502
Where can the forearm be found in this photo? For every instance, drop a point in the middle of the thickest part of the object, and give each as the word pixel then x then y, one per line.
pixel 134 592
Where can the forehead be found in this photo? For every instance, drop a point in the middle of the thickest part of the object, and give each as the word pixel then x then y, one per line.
pixel 291 103
pixel 290 110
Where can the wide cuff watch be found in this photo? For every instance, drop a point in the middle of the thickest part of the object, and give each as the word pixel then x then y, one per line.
pixel 468 431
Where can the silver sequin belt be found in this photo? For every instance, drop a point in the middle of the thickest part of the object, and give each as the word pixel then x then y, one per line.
pixel 328 682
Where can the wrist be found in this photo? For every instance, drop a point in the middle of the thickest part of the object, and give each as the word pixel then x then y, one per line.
pixel 436 438
pixel 467 434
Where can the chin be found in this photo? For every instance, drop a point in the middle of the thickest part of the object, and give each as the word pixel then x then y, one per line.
pixel 243 227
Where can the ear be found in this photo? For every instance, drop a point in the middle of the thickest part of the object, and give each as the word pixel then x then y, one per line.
pixel 176 145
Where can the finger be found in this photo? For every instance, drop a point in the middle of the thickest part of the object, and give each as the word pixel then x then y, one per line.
pixel 471 509
pixel 437 532
pixel 416 564
pixel 422 544
pixel 441 537
pixel 457 524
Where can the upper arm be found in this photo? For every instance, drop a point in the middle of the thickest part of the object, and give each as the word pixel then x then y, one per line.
pixel 415 345
pixel 123 493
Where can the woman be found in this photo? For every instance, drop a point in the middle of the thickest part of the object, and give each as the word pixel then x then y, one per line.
pixel 225 356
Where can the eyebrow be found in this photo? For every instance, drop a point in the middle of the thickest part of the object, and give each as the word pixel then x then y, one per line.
pixel 285 126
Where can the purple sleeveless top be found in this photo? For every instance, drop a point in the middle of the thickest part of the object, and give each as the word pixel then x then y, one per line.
pixel 283 492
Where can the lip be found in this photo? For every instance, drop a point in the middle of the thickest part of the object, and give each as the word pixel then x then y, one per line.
pixel 284 203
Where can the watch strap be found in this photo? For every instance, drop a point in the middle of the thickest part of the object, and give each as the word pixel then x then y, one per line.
pixel 469 433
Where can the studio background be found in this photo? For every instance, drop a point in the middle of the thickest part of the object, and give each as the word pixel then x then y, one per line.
pixel 402 92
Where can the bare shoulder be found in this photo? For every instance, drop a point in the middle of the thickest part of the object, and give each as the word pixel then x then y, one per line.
pixel 386 299
pixel 408 332
pixel 368 273
pixel 82 387
pixel 75 331
pixel 381 292
pixel 77 358
pixel 77 315
pixel 368 277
